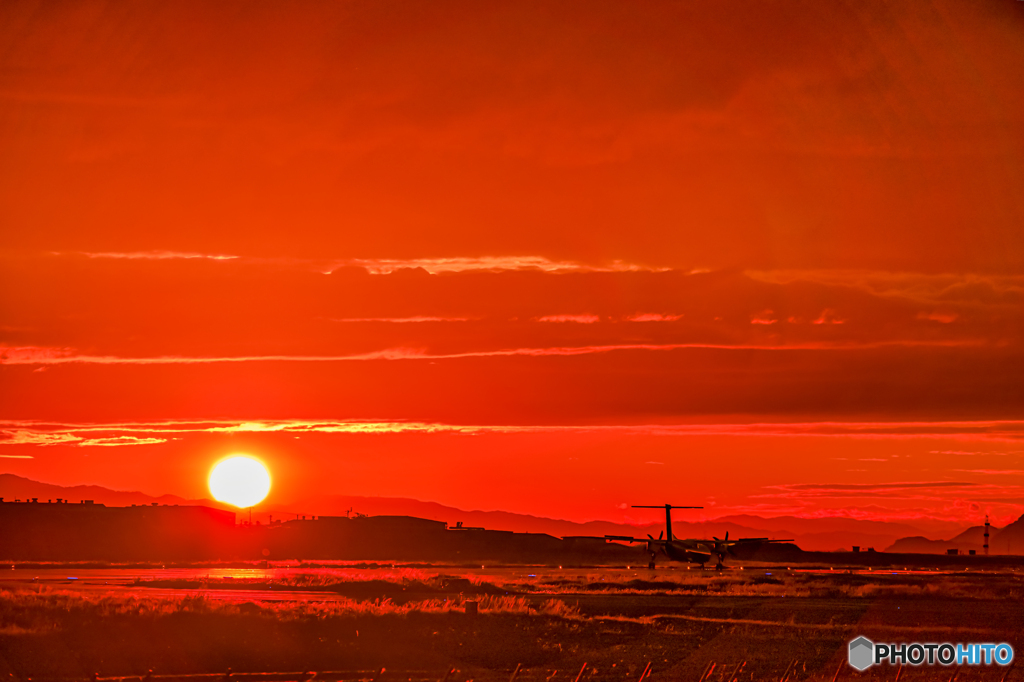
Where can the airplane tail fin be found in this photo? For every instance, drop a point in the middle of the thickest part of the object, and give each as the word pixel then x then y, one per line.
pixel 668 515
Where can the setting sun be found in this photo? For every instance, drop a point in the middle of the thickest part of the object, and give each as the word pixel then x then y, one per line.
pixel 240 480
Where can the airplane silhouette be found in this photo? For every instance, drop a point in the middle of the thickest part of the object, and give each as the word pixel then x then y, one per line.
pixel 690 550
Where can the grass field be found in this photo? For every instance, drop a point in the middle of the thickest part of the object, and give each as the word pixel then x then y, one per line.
pixel 759 623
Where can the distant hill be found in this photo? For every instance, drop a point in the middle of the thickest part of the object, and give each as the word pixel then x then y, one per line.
pixel 18 488
pixel 812 534
pixel 1008 540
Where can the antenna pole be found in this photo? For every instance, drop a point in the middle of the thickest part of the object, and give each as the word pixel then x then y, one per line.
pixel 986 534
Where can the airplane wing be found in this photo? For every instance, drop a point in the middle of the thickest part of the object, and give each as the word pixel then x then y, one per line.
pixel 657 542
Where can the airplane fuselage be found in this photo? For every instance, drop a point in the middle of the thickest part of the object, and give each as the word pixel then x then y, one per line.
pixel 686 552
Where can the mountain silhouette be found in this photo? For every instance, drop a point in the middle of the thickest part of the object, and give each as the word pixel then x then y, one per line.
pixel 1008 540
pixel 812 534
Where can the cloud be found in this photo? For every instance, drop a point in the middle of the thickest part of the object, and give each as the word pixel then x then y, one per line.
pixel 912 286
pixel 868 487
pixel 828 316
pixel 404 320
pixel 157 255
pixel 580 319
pixel 28 436
pixel 924 492
pixel 35 355
pixel 436 266
pixel 993 472
pixel 965 453
pixel 386 266
pixel 200 307
pixel 653 317
pixel 31 432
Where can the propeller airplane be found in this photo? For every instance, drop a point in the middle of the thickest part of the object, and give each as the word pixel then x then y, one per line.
pixel 694 551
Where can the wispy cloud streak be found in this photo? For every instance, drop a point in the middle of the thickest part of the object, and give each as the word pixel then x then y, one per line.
pixel 402 320
pixel 924 491
pixel 29 432
pixel 578 319
pixel 653 317
pixel 915 286
pixel 435 266
pixel 36 355
pixel 157 255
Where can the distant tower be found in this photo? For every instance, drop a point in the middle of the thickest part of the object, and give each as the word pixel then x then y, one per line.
pixel 986 534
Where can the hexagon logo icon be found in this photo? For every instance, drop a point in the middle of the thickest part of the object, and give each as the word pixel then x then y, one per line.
pixel 862 653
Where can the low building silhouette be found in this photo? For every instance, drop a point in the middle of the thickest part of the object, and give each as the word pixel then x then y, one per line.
pixel 82 531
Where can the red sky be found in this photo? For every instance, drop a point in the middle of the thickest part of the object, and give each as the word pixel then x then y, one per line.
pixel 550 258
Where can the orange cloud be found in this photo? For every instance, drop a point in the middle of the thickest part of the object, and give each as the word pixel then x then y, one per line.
pixel 63 356
pixel 828 316
pixel 29 432
pixel 157 255
pixel 436 266
pixel 404 320
pixel 579 319
pixel 653 317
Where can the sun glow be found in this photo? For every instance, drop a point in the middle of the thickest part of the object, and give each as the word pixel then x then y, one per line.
pixel 239 480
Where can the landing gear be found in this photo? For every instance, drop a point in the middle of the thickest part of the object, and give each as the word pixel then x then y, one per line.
pixel 650 564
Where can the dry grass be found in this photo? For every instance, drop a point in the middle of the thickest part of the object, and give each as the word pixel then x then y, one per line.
pixel 538 627
pixel 405 583
pixel 44 609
